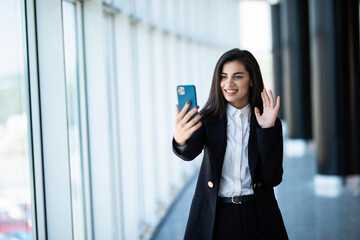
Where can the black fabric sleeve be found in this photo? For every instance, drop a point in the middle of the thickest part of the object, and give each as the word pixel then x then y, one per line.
pixel 179 149
pixel 270 145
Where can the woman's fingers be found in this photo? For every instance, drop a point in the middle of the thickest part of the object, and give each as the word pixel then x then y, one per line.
pixel 188 115
pixel 257 112
pixel 271 99
pixel 184 127
pixel 266 97
pixel 188 130
pixel 177 110
pixel 263 99
pixel 277 106
pixel 193 121
pixel 195 127
pixel 270 110
pixel 183 111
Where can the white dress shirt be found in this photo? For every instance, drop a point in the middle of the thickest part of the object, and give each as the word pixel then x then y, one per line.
pixel 235 176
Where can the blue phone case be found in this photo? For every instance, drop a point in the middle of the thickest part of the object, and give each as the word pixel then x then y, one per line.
pixel 186 93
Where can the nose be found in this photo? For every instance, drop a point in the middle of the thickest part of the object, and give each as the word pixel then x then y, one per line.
pixel 230 81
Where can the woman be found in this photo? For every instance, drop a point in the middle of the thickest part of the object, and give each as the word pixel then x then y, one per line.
pixel 242 140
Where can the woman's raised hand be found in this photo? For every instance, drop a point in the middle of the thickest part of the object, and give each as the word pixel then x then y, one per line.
pixel 184 127
pixel 270 110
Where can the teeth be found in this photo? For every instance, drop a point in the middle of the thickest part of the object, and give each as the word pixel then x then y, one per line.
pixel 230 91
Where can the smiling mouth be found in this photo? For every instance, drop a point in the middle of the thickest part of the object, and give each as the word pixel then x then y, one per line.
pixel 231 90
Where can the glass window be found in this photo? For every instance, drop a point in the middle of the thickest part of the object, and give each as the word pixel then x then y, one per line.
pixel 112 87
pixel 262 49
pixel 73 115
pixel 15 185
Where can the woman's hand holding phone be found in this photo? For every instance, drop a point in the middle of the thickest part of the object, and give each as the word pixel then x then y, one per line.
pixel 184 125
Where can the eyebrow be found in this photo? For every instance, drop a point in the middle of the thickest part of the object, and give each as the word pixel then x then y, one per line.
pixel 234 73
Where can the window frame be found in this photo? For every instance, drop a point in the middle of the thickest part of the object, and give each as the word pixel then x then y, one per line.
pixel 52 160
pixel 35 126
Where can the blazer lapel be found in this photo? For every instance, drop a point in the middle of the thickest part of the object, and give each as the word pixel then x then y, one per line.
pixel 253 153
pixel 217 142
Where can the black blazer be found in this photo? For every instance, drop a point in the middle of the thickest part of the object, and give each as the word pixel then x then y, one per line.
pixel 265 163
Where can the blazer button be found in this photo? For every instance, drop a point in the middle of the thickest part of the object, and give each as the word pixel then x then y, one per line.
pixel 210 184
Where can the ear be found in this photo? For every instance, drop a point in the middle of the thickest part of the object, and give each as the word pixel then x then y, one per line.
pixel 251 83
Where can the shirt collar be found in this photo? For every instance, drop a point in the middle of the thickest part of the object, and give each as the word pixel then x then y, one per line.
pixel 231 110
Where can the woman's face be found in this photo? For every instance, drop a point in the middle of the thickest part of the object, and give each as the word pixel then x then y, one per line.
pixel 235 83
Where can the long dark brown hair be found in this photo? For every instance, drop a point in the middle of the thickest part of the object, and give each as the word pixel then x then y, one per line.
pixel 215 106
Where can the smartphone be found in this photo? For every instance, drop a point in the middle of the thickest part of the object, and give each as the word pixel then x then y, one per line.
pixel 185 94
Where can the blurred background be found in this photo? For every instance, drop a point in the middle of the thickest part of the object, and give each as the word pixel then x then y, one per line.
pixel 87 109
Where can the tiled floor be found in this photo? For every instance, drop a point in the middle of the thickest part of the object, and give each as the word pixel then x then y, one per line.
pixel 306 215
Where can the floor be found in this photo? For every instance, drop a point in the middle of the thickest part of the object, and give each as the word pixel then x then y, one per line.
pixel 307 215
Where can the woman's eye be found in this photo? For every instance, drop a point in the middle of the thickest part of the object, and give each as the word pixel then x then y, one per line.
pixel 223 77
pixel 238 77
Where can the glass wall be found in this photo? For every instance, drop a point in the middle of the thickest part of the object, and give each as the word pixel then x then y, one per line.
pixel 255 24
pixel 15 153
pixel 71 51
pixel 101 77
pixel 113 110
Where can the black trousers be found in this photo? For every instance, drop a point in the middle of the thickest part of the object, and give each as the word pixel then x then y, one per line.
pixel 237 221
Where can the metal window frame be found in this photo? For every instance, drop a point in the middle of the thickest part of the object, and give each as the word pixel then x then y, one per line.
pixel 113 110
pixel 84 123
pixel 35 128
pixel 49 120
